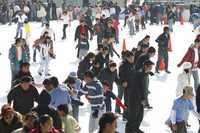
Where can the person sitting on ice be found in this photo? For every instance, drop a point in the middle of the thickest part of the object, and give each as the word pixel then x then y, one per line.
pixel 108 95
pixel 180 109
pixel 193 56
pixel 183 78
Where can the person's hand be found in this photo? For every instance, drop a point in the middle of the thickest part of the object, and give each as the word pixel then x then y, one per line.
pixel 174 127
pixel 143 102
pixel 124 84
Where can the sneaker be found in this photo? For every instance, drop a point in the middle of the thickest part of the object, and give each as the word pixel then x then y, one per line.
pixel 40 73
pixel 63 38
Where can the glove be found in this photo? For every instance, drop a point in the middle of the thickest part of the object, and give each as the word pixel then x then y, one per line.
pixel 95 114
pixel 151 74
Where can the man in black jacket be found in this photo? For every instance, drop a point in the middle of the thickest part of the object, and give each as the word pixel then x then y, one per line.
pixel 23 96
pixel 162 41
pixel 126 69
pixel 44 108
pixel 136 98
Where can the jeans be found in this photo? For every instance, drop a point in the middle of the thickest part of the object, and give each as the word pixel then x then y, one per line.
pixel 170 23
pixel 195 75
pixel 131 28
pixel 19 30
pixel 75 111
pixel 94 122
pixel 44 65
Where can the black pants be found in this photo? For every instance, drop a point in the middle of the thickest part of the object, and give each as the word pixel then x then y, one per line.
pixel 135 117
pixel 181 128
pixel 64 30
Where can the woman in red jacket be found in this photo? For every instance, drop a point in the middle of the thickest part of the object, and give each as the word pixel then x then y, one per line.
pixel 45 125
pixel 193 56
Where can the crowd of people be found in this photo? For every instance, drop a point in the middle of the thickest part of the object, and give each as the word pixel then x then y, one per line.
pixel 57 109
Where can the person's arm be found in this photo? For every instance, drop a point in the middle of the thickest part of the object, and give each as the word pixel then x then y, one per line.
pixel 10 96
pixel 186 56
pixel 173 117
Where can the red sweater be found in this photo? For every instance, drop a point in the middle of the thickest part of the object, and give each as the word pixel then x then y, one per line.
pixel 189 57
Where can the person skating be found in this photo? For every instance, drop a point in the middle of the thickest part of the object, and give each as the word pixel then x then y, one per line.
pixel 136 98
pixel 23 96
pixel 192 56
pixel 180 109
pixel 98 30
pixel 66 22
pixel 20 18
pixel 50 32
pixel 94 92
pixel 162 41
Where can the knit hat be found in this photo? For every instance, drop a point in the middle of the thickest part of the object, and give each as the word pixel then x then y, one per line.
pixel 188 91
pixel 73 74
pixel 187 65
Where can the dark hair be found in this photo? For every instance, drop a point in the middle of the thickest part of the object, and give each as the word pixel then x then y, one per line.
pixel 166 28
pixel 44 119
pixel 31 114
pixel 24 64
pixel 25 79
pixel 54 81
pixel 46 82
pixel 90 55
pixel 70 80
pixel 17 40
pixel 89 74
pixel 64 108
pixel 151 50
pixel 107 118
pixel 106 83
pixel 147 36
pixel 47 25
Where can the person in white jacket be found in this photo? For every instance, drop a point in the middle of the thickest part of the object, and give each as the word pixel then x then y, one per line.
pixel 45 50
pixel 183 78
pixel 66 22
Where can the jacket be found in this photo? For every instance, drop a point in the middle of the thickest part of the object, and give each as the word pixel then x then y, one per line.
pixel 16 123
pixel 182 81
pixel 83 66
pixel 107 75
pixel 102 60
pixel 23 101
pixel 82 29
pixel 94 92
pixel 141 60
pixel 162 41
pixel 190 57
pixel 44 108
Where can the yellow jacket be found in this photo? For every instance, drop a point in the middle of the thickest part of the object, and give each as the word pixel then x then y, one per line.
pixel 27 28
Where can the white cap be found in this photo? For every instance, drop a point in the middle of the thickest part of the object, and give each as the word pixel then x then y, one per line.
pixel 187 65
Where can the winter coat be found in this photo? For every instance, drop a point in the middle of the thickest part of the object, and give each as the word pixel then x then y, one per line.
pixel 162 41
pixel 109 32
pixel 190 57
pixel 15 63
pixel 141 60
pixel 82 29
pixel 94 92
pixel 23 101
pixel 125 71
pixel 44 108
pixel 107 75
pixel 38 131
pixel 83 66
pixel 16 123
pixel 103 61
pixel 182 81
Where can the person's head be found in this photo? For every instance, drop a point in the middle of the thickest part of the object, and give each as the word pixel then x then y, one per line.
pixel 44 98
pixel 108 123
pixel 88 76
pixel 63 110
pixel 106 86
pixel 105 50
pixel 25 83
pixel 90 56
pixel 73 75
pixel 82 22
pixel 188 92
pixel 147 38
pixel 187 66
pixel 166 30
pixel 112 66
pixel 30 119
pixel 7 114
pixel 144 48
pixel 148 65
pixel 109 23
pixel 54 81
pixel 48 85
pixel 196 43
pixel 24 67
pixel 46 34
pixel 130 57
pixel 70 81
pixel 96 64
pixel 18 42
pixel 48 39
pixel 46 123
pixel 64 12
pixel 151 51
pixel 47 25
